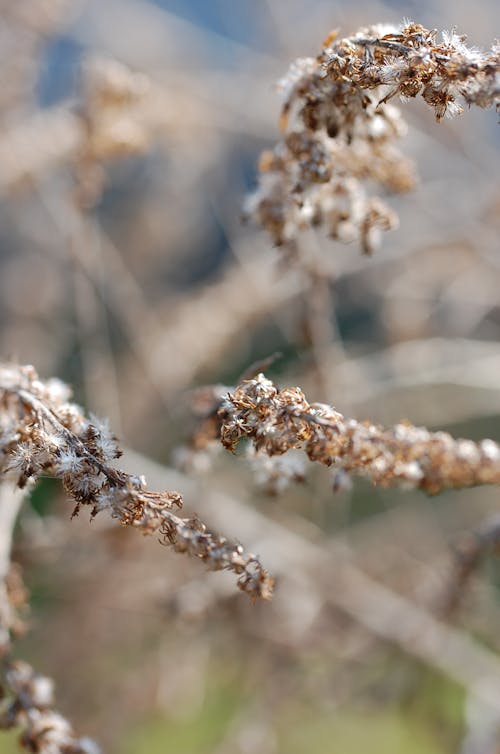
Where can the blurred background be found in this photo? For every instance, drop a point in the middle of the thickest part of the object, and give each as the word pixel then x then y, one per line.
pixel 130 132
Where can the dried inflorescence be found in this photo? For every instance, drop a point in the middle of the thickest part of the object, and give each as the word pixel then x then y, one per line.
pixel 27 703
pixel 272 475
pixel 339 128
pixel 26 25
pixel 278 421
pixel 112 121
pixel 42 433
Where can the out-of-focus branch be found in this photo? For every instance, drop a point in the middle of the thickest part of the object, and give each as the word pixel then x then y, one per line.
pixel 27 697
pixel 10 503
pixel 30 148
pixel 119 112
pixel 469 551
pixel 328 571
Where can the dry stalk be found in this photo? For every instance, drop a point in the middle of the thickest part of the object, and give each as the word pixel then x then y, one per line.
pixel 27 701
pixel 469 551
pixel 330 571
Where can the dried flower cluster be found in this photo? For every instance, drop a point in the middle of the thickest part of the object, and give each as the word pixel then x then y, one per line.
pixel 339 129
pixel 42 433
pixel 413 457
pixel 28 704
pixel 272 474
pixel 112 120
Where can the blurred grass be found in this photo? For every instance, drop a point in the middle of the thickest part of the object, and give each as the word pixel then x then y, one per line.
pixel 8 742
pixel 429 721
pixel 196 736
pixel 346 733
pixel 381 733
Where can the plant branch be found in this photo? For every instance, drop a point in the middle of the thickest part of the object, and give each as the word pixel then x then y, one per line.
pixel 277 421
pixel 43 434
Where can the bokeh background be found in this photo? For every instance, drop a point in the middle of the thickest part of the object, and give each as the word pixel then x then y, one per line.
pixel 129 136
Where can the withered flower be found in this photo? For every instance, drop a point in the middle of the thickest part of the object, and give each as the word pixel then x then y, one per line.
pixel 340 128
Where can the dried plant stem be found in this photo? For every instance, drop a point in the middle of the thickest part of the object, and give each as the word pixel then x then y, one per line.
pixel 10 502
pixel 27 698
pixel 469 552
pixel 321 332
pixel 11 499
pixel 413 457
pixel 329 571
pixel 110 281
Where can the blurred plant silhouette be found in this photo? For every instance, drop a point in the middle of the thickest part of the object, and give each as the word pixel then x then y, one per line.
pixel 125 271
